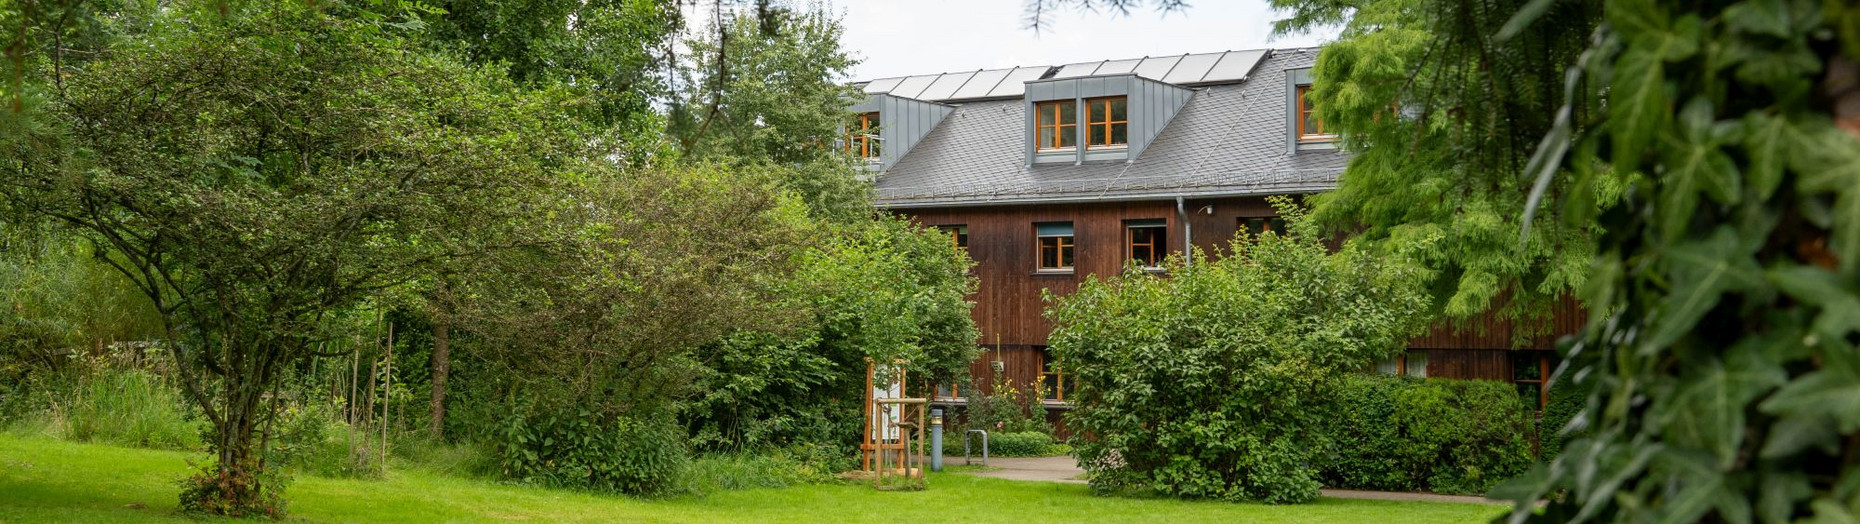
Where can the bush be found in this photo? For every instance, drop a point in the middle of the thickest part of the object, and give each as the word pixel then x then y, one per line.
pixel 1566 401
pixel 311 438
pixel 1216 382
pixel 638 456
pixel 1008 444
pixel 1447 436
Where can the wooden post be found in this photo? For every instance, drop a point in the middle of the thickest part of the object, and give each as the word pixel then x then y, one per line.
pixel 387 393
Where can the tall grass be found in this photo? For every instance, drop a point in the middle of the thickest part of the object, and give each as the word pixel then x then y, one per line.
pixel 127 407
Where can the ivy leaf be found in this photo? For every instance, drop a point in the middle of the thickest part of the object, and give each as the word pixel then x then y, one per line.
pixel 1765 140
pixel 1695 163
pixel 1700 485
pixel 1708 409
pixel 1640 106
pixel 1700 271
pixel 1833 391
pixel 1829 161
pixel 1761 17
pixel 1836 297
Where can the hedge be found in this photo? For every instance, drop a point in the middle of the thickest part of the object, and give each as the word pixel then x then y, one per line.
pixel 1440 435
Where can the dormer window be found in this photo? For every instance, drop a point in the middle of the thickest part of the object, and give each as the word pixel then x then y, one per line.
pixel 1057 125
pixel 863 141
pixel 1107 123
pixel 1310 129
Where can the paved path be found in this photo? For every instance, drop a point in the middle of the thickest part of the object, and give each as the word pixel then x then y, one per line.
pixel 1065 469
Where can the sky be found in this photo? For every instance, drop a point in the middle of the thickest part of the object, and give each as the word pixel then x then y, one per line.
pixel 914 37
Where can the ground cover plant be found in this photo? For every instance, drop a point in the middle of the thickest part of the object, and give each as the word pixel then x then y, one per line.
pixel 48 480
pixel 1216 382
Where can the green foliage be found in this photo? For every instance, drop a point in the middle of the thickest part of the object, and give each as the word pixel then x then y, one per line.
pixel 1440 129
pixel 1005 444
pixel 1005 407
pixel 1215 381
pixel 582 449
pixel 791 466
pixel 1721 351
pixel 884 290
pixel 126 407
pixel 61 298
pixel 1554 431
pixel 1444 436
pixel 296 165
pixel 311 438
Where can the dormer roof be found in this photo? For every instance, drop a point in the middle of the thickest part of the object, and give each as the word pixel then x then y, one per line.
pixel 1229 139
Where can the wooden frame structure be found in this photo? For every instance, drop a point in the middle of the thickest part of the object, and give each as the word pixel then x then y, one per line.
pixel 891 450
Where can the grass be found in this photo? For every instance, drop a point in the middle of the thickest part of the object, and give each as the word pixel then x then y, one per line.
pixel 45 480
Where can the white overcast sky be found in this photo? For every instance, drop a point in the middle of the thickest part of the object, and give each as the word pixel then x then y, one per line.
pixel 914 37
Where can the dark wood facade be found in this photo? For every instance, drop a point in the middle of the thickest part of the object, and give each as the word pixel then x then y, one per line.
pixel 1009 306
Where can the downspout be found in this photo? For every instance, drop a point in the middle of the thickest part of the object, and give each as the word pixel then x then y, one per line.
pixel 1188 234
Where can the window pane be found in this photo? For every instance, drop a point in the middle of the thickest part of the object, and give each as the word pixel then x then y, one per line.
pixel 1046 138
pixel 1120 134
pixel 1524 366
pixel 1068 136
pixel 1417 364
pixel 1312 126
pixel 1095 110
pixel 871 121
pixel 1068 113
pixel 1065 253
pixel 1049 252
pixel 1046 113
pixel 1118 110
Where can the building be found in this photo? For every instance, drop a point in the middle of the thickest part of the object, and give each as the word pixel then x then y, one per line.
pixel 1049 174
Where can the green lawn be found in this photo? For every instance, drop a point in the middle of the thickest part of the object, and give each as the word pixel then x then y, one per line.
pixel 45 480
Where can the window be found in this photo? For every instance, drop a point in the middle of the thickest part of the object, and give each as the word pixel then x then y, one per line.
pixel 958 234
pixel 1411 363
pixel 1256 226
pixel 1055 245
pixel 1530 371
pixel 1106 123
pixel 1310 129
pixel 1148 241
pixel 863 140
pixel 1057 123
pixel 1052 379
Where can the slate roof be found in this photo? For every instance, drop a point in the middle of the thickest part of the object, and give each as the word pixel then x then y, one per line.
pixel 1229 140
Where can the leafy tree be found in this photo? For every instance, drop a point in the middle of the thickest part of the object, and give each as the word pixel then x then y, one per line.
pixel 884 290
pixel 1216 381
pixel 766 91
pixel 257 172
pixel 1440 125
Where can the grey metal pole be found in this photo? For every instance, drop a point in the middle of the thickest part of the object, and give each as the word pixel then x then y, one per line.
pixel 936 439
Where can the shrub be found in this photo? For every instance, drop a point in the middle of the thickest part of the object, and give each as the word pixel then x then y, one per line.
pixel 1215 382
pixel 311 438
pixel 1447 436
pixel 578 449
pixel 1566 401
pixel 1006 444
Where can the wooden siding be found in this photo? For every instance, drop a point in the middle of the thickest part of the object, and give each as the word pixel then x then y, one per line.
pixel 1009 309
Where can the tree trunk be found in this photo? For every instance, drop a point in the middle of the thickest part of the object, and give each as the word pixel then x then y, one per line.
pixel 442 366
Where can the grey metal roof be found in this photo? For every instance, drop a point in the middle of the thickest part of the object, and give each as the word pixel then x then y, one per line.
pixel 1189 69
pixel 1230 139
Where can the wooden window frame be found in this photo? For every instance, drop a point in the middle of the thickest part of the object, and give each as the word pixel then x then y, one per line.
pixel 1049 367
pixel 958 235
pixel 1305 112
pixel 1060 127
pixel 1267 223
pixel 1541 383
pixel 1064 247
pixel 1092 126
pixel 1159 246
pixel 859 140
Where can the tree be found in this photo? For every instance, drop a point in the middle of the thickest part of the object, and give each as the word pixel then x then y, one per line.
pixel 259 171
pixel 1215 382
pixel 765 91
pixel 1440 126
